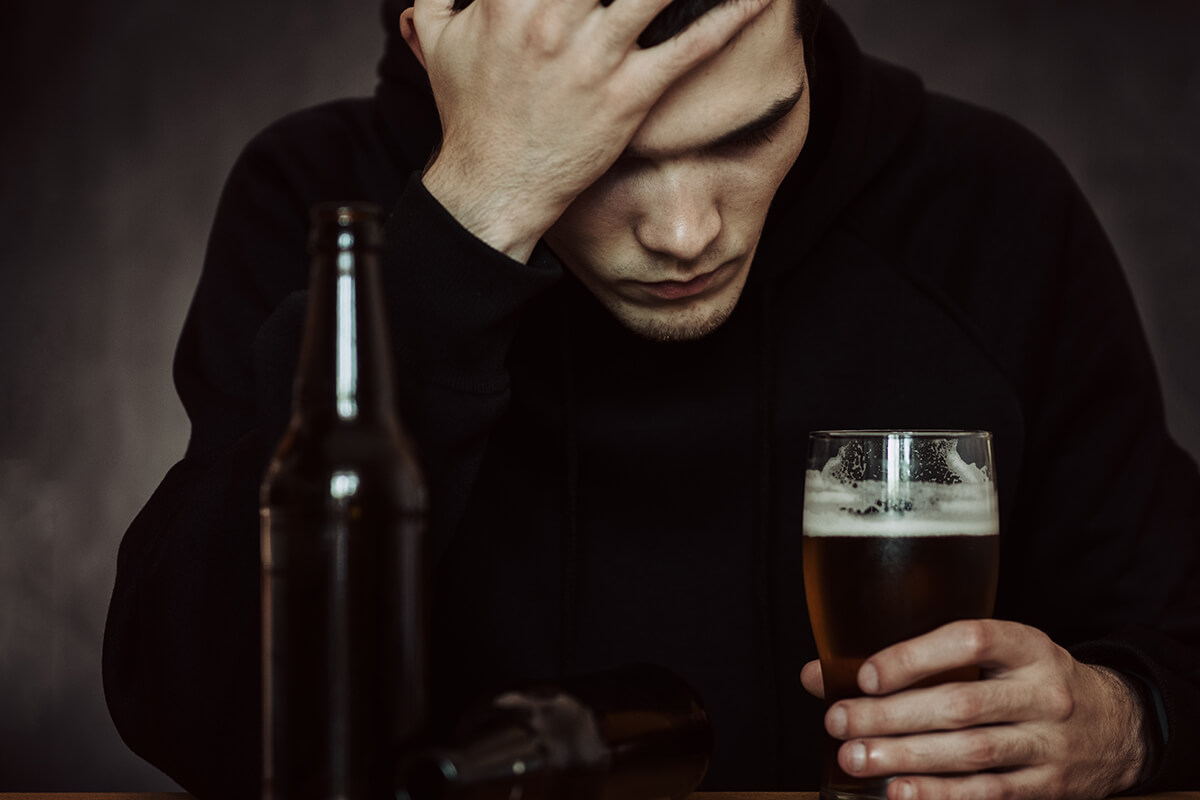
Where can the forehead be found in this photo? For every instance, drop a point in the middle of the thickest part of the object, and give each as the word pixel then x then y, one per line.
pixel 763 64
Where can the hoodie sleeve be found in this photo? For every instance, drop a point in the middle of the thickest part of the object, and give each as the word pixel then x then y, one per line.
pixel 1126 543
pixel 1100 539
pixel 182 641
pixel 1103 539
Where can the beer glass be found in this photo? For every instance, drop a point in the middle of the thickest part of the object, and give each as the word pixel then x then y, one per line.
pixel 901 535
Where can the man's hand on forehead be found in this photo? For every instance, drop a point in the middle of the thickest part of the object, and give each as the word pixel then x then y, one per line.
pixel 538 98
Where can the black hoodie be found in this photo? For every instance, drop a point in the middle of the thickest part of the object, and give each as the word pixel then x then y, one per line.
pixel 600 499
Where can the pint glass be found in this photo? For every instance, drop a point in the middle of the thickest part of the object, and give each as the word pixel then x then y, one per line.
pixel 901 535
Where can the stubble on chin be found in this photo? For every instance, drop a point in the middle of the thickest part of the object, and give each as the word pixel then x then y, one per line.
pixel 660 324
pixel 685 325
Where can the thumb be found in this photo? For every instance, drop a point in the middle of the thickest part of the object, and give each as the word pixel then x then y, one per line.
pixel 408 30
pixel 426 17
pixel 813 679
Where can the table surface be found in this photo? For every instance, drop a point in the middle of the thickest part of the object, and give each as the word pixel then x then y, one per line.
pixel 699 796
pixel 702 795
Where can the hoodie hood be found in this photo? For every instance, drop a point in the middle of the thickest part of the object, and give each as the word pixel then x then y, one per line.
pixel 862 111
pixel 574 354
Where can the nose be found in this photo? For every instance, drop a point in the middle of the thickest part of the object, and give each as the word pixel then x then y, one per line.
pixel 679 216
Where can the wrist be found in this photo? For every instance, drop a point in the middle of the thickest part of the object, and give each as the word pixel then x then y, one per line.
pixel 1135 747
pixel 497 215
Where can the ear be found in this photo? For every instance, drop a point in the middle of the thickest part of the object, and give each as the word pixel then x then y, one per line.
pixel 408 29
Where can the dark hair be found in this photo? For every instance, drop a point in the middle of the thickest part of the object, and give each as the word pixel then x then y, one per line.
pixel 681 13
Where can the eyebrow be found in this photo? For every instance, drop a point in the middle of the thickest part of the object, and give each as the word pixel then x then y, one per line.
pixel 773 114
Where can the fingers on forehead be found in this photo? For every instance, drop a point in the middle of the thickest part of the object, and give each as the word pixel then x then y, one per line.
pixel 626 19
pixel 711 31
pixel 635 10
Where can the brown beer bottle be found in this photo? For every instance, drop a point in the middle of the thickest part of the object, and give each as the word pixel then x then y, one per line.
pixel 343 510
pixel 634 733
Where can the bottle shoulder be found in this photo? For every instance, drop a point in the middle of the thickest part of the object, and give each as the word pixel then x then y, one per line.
pixel 316 462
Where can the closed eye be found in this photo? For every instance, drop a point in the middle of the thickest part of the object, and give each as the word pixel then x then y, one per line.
pixel 750 140
pixel 752 135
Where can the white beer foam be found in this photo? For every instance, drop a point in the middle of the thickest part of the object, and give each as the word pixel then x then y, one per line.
pixel 837 507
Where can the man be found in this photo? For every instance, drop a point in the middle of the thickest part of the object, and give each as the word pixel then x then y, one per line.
pixel 627 283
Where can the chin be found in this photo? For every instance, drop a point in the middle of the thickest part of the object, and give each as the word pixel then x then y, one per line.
pixel 680 325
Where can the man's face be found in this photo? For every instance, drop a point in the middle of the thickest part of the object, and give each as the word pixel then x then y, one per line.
pixel 665 238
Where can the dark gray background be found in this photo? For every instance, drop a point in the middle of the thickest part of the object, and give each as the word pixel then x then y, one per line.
pixel 120 121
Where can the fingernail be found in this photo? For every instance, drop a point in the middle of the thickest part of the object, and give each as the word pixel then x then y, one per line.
pixel 907 791
pixel 837 722
pixel 858 757
pixel 868 678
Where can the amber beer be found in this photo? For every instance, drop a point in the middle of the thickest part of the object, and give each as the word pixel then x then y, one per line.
pixel 900 537
pixel 343 543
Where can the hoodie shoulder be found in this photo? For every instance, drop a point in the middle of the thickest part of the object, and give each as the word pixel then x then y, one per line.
pixel 337 150
pixel 989 150
pixel 979 214
pixel 257 254
pixel 970 195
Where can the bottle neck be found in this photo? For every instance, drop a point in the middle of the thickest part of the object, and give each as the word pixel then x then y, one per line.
pixel 345 372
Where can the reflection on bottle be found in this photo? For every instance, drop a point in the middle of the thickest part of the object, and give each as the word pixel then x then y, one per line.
pixel 343 543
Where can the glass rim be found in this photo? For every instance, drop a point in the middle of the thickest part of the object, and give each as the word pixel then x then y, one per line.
pixel 906 433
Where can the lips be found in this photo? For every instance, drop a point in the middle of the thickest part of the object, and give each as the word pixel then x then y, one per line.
pixel 678 290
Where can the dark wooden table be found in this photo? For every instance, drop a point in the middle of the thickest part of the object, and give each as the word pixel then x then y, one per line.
pixel 699 796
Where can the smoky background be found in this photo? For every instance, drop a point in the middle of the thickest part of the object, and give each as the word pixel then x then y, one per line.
pixel 120 121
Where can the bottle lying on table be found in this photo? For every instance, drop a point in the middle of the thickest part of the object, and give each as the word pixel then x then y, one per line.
pixel 634 733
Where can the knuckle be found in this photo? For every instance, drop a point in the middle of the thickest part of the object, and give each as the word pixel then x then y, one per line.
pixel 981 751
pixel 907 657
pixel 545 33
pixel 860 721
pixel 680 58
pixel 696 42
pixel 1049 748
pixel 1059 701
pixel 964 706
pixel 977 638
